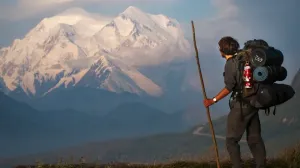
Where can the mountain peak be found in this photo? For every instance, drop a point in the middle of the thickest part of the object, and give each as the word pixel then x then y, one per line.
pixel 135 14
pixel 132 10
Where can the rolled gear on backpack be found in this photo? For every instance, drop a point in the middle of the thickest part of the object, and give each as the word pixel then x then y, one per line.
pixel 269 74
pixel 266 56
pixel 266 62
pixel 261 54
pixel 272 95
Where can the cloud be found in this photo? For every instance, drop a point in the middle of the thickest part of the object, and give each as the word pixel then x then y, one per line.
pixel 226 21
pixel 30 8
pixel 33 8
pixel 208 32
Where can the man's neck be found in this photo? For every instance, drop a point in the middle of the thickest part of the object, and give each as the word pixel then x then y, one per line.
pixel 228 56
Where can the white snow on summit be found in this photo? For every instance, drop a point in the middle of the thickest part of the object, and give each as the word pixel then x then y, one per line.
pixel 76 48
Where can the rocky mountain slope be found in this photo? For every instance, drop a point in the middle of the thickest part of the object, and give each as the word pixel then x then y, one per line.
pixel 296 80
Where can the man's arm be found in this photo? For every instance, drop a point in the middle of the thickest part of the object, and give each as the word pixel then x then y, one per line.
pixel 223 93
pixel 229 80
pixel 230 83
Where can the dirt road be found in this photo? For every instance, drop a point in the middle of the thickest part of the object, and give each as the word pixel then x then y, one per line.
pixel 198 131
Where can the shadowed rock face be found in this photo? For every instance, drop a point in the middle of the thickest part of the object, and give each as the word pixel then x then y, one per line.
pixel 296 80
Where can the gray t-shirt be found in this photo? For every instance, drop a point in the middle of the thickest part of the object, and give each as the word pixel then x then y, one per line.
pixel 230 75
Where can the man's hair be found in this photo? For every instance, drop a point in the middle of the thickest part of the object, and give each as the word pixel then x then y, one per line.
pixel 228 45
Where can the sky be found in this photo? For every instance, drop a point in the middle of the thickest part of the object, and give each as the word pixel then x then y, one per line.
pixel 276 21
pixel 17 17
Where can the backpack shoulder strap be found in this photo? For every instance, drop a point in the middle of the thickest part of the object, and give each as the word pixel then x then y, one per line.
pixel 238 61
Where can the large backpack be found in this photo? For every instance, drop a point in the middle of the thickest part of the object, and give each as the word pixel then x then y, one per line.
pixel 266 64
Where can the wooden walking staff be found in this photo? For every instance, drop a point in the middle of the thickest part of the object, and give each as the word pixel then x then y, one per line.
pixel 205 97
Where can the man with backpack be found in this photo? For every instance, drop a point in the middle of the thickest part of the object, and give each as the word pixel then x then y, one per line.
pixel 242 115
pixel 250 74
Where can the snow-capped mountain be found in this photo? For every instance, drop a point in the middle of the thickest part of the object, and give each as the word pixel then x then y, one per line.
pixel 76 48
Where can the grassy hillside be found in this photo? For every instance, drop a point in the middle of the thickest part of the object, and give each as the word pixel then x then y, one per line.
pixel 290 158
pixel 164 147
pixel 149 149
pixel 159 149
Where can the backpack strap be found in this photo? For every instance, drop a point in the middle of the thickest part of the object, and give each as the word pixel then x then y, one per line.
pixel 239 64
pixel 267 111
pixel 274 110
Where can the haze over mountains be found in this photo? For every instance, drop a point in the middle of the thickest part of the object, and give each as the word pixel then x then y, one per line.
pixel 279 132
pixel 25 130
pixel 134 56
pixel 78 77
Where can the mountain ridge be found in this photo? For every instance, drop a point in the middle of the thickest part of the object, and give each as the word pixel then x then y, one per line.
pixel 27 130
pixel 58 48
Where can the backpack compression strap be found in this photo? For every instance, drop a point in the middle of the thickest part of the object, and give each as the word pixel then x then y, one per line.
pixel 267 111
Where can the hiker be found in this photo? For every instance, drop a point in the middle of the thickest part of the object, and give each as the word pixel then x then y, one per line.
pixel 242 116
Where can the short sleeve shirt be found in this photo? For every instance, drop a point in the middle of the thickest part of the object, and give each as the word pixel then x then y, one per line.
pixel 230 74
